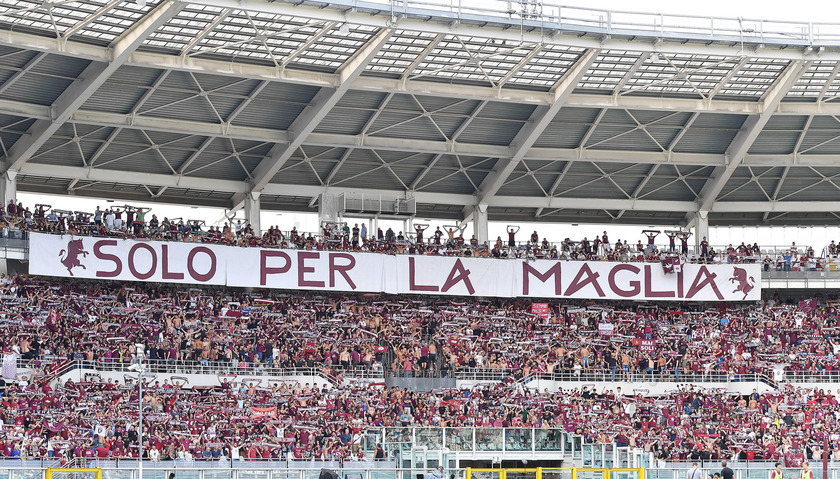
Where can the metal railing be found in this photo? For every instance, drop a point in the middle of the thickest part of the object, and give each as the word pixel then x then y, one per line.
pixel 608 375
pixel 153 366
pixel 333 375
pixel 548 15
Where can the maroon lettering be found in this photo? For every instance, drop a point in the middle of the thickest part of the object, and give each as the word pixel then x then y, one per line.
pixel 191 264
pixel 131 267
pixel 698 284
pixel 265 270
pixel 164 262
pixel 97 251
pixel 591 278
pixel 649 292
pixel 303 269
pixel 634 285
pixel 457 275
pixel 680 279
pixel 342 269
pixel 412 286
pixel 528 270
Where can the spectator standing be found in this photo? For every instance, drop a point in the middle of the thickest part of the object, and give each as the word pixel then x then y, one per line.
pixel 726 472
pixel 437 473
pixel 694 472
pixel 806 471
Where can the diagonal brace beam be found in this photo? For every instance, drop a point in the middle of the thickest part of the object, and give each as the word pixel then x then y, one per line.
pixel 536 125
pixel 88 82
pixel 308 120
pixel 749 132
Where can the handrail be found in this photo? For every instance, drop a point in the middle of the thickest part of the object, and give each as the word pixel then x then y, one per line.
pixel 154 366
pixel 465 373
pixel 548 15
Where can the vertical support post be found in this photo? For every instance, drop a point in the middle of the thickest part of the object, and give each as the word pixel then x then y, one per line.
pixel 8 187
pixel 480 224
pixel 252 212
pixel 701 228
pixel 140 422
pixel 374 228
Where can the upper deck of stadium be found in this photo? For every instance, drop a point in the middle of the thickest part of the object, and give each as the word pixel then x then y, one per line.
pixel 536 111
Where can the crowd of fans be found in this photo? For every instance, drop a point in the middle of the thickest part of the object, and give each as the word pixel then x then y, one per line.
pixel 127 221
pixel 241 420
pixel 111 323
pixel 49 323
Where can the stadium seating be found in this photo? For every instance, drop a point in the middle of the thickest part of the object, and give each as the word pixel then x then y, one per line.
pixel 50 323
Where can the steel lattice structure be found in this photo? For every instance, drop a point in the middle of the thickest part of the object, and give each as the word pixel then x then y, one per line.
pixel 539 112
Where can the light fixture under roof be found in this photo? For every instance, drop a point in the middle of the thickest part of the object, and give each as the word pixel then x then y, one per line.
pixel 344 28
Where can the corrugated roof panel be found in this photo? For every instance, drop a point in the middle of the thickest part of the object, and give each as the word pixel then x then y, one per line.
pixel 37 89
pixel 819 139
pixel 774 142
pixel 576 115
pixel 361 99
pixel 697 140
pixel 344 121
pixel 404 125
pixel 719 120
pixel 269 114
pixel 490 132
pixel 508 111
pixel 561 135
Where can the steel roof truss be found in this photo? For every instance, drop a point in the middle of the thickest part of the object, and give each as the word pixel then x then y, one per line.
pixel 87 83
pixel 745 138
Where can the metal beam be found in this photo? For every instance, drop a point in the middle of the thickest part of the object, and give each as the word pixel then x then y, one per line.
pixel 152 123
pixel 737 150
pixel 86 85
pixel 536 125
pixel 731 73
pixel 470 23
pixel 207 29
pixel 295 190
pixel 683 131
pixel 308 120
pixel 418 87
pixel 90 18
pixel 321 104
pixel 11 107
pixel 18 74
pixel 525 60
pixel 556 184
pixel 640 187
pixel 308 43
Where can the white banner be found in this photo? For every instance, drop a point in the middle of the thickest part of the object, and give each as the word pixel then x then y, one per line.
pixel 127 260
pixel 300 269
pixel 456 276
pixel 639 281
pixel 190 263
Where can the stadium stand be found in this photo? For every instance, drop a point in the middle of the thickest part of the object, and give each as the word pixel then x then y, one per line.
pixel 252 358
pixel 51 326
pixel 17 221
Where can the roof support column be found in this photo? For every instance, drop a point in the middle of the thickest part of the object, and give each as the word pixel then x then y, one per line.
pixel 701 228
pixel 252 212
pixel 480 224
pixel 8 187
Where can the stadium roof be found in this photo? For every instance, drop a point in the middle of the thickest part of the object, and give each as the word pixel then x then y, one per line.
pixel 541 112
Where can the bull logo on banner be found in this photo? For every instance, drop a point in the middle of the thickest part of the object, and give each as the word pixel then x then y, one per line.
pixel 71 260
pixel 745 285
